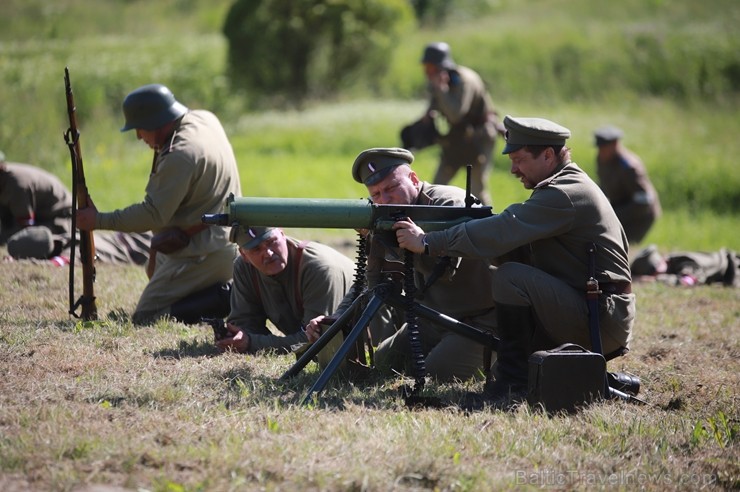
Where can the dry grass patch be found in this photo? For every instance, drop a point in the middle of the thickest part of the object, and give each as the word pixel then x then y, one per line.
pixel 156 408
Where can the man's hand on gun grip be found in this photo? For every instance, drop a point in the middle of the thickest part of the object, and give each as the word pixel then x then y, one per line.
pixel 409 235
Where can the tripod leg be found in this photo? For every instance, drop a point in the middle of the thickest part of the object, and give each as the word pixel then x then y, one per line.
pixel 485 338
pixel 372 307
pixel 319 344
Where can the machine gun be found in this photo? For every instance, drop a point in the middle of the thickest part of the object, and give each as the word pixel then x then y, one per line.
pixel 362 214
pixel 327 213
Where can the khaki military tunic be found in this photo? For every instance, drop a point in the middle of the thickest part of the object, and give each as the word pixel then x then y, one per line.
pixel 468 109
pixel 564 214
pixel 313 283
pixel 626 184
pixel 464 291
pixel 192 175
pixel 32 196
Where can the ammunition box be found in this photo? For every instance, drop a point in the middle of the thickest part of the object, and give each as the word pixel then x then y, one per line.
pixel 566 378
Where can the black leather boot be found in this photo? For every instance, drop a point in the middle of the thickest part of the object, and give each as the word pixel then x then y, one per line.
pixel 211 302
pixel 508 385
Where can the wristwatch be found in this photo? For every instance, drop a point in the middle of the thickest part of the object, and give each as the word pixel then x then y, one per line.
pixel 425 243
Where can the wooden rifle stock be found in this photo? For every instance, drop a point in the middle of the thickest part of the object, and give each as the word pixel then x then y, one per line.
pixel 79 198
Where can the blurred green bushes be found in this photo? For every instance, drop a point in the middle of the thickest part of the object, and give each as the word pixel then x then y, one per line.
pixel 286 51
pixel 668 72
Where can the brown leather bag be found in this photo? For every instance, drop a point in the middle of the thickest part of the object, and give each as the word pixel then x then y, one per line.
pixel 170 240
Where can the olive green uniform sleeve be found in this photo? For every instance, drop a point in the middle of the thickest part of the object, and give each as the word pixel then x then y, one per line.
pixel 557 223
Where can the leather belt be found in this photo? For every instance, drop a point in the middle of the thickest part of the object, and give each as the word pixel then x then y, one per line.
pixel 616 287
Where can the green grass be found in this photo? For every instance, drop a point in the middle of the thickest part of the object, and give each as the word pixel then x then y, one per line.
pixel 156 408
pixel 583 77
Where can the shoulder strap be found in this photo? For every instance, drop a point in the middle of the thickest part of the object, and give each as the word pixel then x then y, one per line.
pixel 297 272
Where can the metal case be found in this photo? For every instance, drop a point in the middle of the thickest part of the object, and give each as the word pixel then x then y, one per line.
pixel 566 378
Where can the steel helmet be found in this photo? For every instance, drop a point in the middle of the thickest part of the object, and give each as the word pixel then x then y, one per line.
pixel 150 107
pixel 439 54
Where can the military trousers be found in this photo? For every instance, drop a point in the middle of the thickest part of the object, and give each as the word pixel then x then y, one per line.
pixel 474 146
pixel 560 311
pixel 176 277
pixel 448 356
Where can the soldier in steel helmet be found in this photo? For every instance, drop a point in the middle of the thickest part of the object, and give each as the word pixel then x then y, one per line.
pixel 541 303
pixel 459 95
pixel 193 171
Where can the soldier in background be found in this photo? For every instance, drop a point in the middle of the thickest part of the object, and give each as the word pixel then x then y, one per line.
pixel 36 220
pixel 625 182
pixel 460 96
pixel 193 171
pixel 687 268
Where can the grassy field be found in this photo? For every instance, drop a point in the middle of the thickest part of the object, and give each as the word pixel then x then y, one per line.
pixel 84 406
pixel 663 72
pixel 156 408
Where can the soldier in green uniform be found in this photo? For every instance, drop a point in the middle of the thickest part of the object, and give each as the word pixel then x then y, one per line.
pixel 458 288
pixel 286 281
pixel 193 171
pixel 625 182
pixel 36 220
pixel 541 303
pixel 459 95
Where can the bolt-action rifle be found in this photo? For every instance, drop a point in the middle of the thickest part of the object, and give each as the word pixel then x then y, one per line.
pixel 80 197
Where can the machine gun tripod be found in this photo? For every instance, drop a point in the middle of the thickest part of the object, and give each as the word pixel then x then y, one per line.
pixel 384 293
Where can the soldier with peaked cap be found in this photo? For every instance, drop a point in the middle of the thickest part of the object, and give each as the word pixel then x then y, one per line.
pixel 458 288
pixel 286 282
pixel 460 96
pixel 36 220
pixel 541 304
pixel 193 171
pixel 625 182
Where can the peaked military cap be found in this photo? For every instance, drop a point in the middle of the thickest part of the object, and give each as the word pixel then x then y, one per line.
pixel 607 134
pixel 521 132
pixel 250 237
pixel 372 165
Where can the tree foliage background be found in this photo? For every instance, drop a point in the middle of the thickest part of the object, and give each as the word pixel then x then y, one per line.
pixel 291 50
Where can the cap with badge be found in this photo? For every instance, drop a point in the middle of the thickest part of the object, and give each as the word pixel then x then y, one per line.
pixel 372 165
pixel 250 237
pixel 521 132
pixel 607 134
